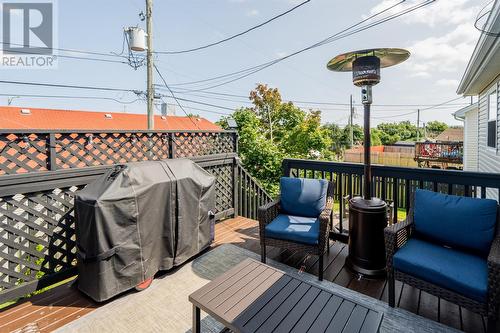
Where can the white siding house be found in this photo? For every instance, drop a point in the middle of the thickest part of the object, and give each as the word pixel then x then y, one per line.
pixel 482 79
pixel 469 115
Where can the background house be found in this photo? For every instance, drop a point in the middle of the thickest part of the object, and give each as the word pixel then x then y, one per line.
pixel 482 79
pixel 455 134
pixel 50 119
pixel 469 115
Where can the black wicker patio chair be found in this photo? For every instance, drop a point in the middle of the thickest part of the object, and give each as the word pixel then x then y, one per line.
pixel 455 257
pixel 300 219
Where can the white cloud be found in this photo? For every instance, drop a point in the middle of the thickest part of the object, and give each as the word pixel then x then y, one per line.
pixel 453 35
pixel 447 83
pixel 447 53
pixel 253 12
pixel 442 12
pixel 417 73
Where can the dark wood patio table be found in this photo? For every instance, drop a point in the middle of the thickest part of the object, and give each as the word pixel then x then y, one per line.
pixel 254 297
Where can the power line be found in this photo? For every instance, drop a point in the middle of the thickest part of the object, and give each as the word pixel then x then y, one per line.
pixel 72 57
pixel 416 111
pixel 92 59
pixel 395 115
pixel 285 57
pixel 384 105
pixel 173 96
pixel 116 100
pixel 342 34
pixel 437 105
pixel 54 85
pixel 205 110
pixel 312 104
pixel 482 13
pixel 64 50
pixel 236 35
pixel 71 97
pixel 103 98
pixel 375 110
pixel 247 101
pixel 198 102
pixel 326 41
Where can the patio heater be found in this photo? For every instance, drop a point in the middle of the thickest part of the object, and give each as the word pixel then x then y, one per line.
pixel 367 215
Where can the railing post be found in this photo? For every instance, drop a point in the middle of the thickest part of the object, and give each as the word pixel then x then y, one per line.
pixel 51 152
pixel 235 186
pixel 341 200
pixel 286 167
pixel 395 198
pixel 173 145
pixel 236 138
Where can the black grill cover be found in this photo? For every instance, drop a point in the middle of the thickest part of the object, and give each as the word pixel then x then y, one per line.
pixel 140 218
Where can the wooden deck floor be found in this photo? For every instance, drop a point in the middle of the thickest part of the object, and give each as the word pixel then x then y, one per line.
pixel 61 305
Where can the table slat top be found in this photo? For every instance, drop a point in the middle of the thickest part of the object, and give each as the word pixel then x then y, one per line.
pixel 254 297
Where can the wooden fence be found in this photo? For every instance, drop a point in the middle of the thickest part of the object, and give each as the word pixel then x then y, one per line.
pixel 382 158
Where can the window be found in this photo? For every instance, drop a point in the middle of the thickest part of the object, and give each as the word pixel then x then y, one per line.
pixel 492 119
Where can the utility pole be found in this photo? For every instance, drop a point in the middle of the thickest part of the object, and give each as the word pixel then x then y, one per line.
pixel 149 57
pixel 351 132
pixel 418 125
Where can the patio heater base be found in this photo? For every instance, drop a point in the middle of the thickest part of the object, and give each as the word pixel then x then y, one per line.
pixel 367 220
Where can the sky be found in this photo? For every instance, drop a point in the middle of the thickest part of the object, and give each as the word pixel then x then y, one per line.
pixel 441 38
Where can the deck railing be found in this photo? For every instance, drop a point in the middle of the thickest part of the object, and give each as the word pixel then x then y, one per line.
pixel 37 238
pixel 251 195
pixel 393 184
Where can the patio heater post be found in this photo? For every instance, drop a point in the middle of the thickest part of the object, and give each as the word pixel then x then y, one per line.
pixel 367 193
pixel 367 214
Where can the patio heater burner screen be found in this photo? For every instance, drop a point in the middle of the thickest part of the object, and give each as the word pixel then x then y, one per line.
pixel 367 214
pixel 366 71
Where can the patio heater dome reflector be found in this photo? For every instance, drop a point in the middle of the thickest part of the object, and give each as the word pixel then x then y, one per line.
pixel 365 64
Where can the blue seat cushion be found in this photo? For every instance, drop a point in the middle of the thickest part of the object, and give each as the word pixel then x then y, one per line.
pixel 455 221
pixel 294 228
pixel 461 272
pixel 303 197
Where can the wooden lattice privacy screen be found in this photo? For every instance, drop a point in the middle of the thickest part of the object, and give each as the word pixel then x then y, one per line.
pixel 37 225
pixel 28 151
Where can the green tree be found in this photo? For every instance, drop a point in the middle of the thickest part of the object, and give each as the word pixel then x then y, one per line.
pixel 375 137
pixel 335 133
pixel 271 130
pixel 390 133
pixel 435 127
pixel 308 138
pixel 341 137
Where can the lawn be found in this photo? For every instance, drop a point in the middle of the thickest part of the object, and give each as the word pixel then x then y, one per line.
pixel 401 211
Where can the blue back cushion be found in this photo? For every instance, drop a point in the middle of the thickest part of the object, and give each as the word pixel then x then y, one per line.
pixel 455 221
pixel 456 270
pixel 303 197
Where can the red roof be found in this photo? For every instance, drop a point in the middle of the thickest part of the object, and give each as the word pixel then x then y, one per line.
pixel 14 118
